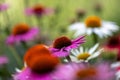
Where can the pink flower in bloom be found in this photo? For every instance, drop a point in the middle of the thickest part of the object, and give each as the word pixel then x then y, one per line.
pixel 3 7
pixel 62 72
pixel 63 45
pixel 41 65
pixel 38 10
pixel 22 32
pixel 83 71
pixel 3 60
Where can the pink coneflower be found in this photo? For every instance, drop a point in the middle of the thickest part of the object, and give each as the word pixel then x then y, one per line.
pixel 3 60
pixel 3 6
pixel 63 45
pixel 38 10
pixel 99 72
pixel 22 33
pixel 83 71
pixel 41 65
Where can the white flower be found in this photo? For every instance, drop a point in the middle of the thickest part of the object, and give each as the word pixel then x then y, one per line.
pixel 93 24
pixel 80 54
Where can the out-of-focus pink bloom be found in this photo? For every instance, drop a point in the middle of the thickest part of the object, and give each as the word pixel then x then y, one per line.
pixel 38 10
pixel 22 32
pixel 113 42
pixel 83 71
pixel 3 60
pixel 4 7
pixel 62 72
pixel 63 45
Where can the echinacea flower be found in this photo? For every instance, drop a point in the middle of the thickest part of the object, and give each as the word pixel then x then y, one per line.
pixel 63 45
pixel 94 24
pixel 78 55
pixel 3 6
pixel 95 72
pixel 84 71
pixel 22 33
pixel 38 10
pixel 40 65
pixel 3 60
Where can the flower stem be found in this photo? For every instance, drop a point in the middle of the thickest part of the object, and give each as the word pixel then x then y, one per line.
pixel 17 57
pixel 95 38
pixel 24 44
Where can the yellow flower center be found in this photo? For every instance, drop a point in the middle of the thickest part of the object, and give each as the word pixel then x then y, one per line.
pixel 87 72
pixel 93 22
pixel 83 56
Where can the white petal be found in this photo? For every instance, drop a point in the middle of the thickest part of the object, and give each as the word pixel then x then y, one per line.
pixel 76 26
pixel 18 70
pixel 114 65
pixel 98 32
pixel 81 49
pixel 105 31
pixel 92 50
pixel 74 58
pixel 110 26
pixel 95 54
pixel 79 29
pixel 89 31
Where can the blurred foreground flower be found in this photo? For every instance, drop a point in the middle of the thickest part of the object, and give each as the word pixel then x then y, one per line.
pixel 81 55
pixel 96 72
pixel 63 45
pixel 94 25
pixel 22 33
pixel 40 65
pixel 3 6
pixel 82 71
pixel 3 60
pixel 38 10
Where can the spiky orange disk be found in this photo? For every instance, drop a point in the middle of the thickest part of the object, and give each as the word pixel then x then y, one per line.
pixel 43 63
pixel 93 21
pixel 35 51
pixel 20 29
pixel 62 42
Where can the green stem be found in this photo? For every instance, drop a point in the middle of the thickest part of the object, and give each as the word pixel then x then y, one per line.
pixel 24 44
pixel 17 57
pixel 95 39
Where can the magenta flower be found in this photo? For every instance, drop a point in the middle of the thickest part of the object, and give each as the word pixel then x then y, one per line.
pixel 3 60
pixel 22 33
pixel 63 45
pixel 83 71
pixel 41 67
pixel 38 10
pixel 3 7
pixel 62 72
pixel 99 72
pixel 114 42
